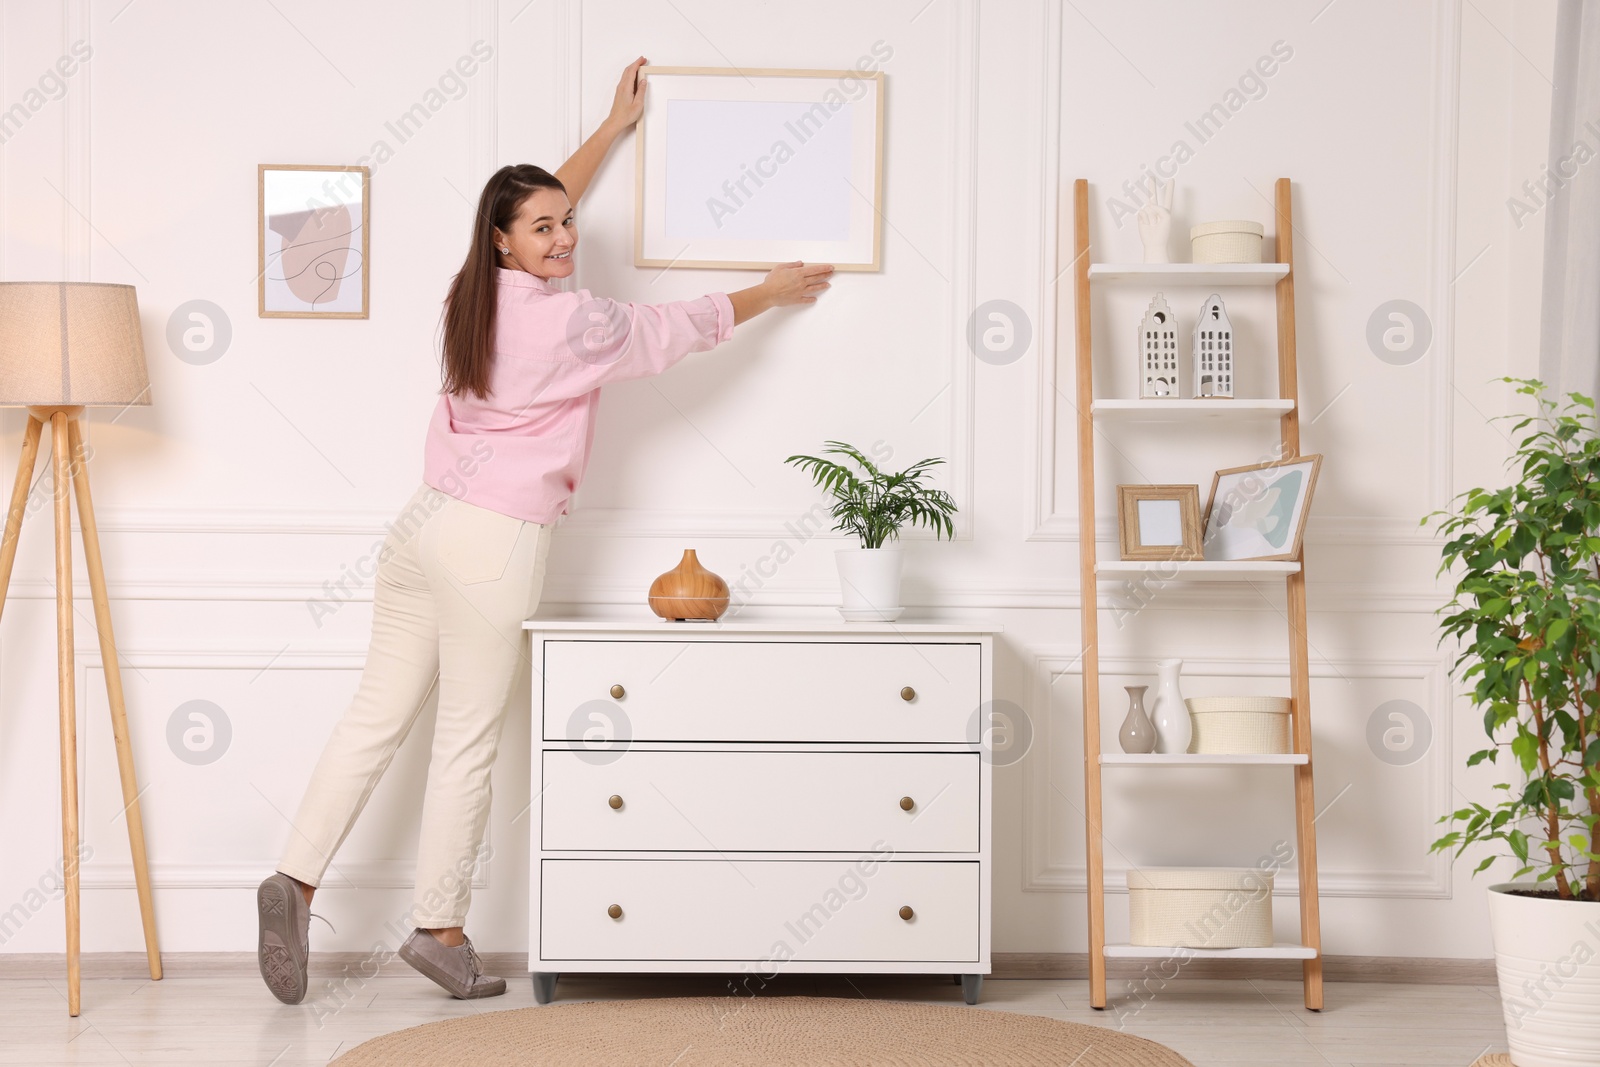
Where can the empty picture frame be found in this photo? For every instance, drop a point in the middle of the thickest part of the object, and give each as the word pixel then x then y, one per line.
pixel 1159 522
pixel 1259 511
pixel 752 168
pixel 312 240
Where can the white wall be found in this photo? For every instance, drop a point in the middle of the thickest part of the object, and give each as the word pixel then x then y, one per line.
pixel 257 478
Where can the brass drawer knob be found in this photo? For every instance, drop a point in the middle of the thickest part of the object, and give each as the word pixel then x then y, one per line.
pixel 908 694
pixel 906 804
pixel 615 911
pixel 615 802
pixel 905 912
pixel 617 692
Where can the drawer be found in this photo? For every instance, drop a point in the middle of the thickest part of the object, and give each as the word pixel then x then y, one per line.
pixel 761 691
pixel 762 910
pixel 762 801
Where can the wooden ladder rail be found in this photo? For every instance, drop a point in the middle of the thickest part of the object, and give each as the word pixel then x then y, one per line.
pixel 1089 591
pixel 1305 802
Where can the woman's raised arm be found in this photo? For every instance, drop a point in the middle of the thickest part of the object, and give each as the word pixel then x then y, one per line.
pixel 626 107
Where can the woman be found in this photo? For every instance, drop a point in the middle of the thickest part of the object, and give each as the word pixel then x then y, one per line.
pixel 463 565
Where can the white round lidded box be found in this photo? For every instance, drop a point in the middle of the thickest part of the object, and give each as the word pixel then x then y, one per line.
pixel 1239 725
pixel 1200 907
pixel 1231 241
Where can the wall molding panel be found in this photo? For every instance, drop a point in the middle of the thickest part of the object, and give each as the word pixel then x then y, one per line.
pixel 961 449
pixel 1044 870
pixel 195 873
pixel 578 589
pixel 1053 412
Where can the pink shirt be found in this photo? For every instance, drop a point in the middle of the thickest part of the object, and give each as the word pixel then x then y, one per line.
pixel 522 451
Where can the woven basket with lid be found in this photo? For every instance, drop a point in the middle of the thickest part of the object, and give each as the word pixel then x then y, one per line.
pixel 1200 907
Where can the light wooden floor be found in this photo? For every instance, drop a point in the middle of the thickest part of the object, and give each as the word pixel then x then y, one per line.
pixel 233 1020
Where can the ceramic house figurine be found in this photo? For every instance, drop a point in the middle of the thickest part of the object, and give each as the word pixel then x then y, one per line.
pixel 1213 350
pixel 1158 351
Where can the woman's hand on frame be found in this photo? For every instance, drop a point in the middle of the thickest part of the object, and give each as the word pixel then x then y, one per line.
pixel 797 283
pixel 628 104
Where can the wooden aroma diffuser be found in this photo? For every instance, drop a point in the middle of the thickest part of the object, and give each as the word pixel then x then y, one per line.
pixel 689 591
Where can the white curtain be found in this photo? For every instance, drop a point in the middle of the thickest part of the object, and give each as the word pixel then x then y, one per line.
pixel 1569 349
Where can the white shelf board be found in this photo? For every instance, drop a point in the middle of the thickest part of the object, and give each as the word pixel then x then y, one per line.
pixel 1190 273
pixel 1273 952
pixel 1189 410
pixel 1200 570
pixel 1201 759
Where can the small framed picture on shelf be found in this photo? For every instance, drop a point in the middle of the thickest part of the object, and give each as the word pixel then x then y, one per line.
pixel 1259 511
pixel 1159 522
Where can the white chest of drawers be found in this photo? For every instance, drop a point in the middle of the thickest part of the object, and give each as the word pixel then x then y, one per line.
pixel 760 798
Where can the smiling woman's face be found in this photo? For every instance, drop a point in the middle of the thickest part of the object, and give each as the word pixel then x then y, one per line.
pixel 542 237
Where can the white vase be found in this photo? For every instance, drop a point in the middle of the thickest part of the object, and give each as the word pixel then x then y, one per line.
pixel 869 583
pixel 1174 730
pixel 1547 955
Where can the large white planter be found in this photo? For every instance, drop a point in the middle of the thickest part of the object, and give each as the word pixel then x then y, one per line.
pixel 869 583
pixel 1547 954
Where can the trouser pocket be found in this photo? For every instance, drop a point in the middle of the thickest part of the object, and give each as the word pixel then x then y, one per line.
pixel 474 544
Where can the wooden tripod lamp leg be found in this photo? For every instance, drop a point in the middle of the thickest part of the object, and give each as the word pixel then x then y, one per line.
pixel 69 727
pixel 19 504
pixel 113 673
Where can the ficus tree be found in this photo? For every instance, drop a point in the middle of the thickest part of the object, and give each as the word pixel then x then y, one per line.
pixel 1526 613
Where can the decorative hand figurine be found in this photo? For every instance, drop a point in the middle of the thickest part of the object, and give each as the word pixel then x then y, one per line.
pixel 1155 226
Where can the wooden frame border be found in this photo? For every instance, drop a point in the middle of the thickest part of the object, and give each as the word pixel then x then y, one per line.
pixel 876 264
pixel 261 243
pixel 1293 553
pixel 1188 500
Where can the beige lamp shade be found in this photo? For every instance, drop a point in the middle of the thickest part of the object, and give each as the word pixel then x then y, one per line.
pixel 68 343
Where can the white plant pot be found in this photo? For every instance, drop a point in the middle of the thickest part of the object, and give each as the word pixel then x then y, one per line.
pixel 869 583
pixel 1547 954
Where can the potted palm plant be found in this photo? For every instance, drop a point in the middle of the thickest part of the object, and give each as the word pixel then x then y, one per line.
pixel 1527 611
pixel 874 505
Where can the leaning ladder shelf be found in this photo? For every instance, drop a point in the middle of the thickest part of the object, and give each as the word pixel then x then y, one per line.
pixel 1286 410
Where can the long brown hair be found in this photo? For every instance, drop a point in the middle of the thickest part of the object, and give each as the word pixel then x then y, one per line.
pixel 470 305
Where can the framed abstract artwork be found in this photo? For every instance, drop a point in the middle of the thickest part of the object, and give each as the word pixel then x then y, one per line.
pixel 312 240
pixel 1259 511
pixel 752 168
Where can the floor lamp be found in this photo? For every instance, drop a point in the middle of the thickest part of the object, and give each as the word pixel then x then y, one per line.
pixel 67 345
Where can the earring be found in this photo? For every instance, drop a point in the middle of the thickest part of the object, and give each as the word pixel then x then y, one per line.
pixel 505 251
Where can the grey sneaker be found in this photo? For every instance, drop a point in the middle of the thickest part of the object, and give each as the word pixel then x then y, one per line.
pixel 457 970
pixel 284 937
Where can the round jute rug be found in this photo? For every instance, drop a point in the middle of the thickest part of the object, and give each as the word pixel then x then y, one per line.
pixel 730 1031
pixel 1493 1059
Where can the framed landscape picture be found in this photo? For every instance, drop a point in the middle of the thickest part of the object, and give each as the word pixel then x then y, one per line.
pixel 312 240
pixel 752 168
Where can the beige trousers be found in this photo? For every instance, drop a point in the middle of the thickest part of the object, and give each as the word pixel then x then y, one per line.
pixel 455 582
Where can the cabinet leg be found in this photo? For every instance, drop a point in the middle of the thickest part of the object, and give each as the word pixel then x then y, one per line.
pixel 971 986
pixel 544 986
